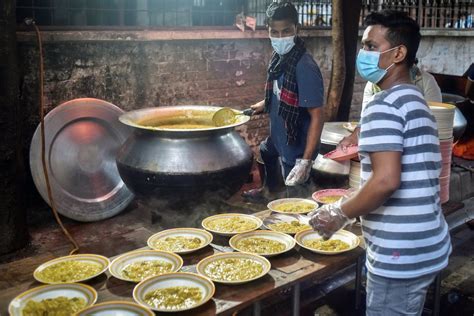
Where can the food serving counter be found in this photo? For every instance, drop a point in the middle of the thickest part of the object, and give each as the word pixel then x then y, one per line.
pixel 288 271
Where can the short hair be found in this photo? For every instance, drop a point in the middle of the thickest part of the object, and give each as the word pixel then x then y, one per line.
pixel 402 30
pixel 281 10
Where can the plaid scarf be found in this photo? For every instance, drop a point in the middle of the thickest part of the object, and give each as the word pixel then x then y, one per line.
pixel 288 108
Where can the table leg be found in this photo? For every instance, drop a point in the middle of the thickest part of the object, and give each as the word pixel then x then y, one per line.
pixel 257 308
pixel 296 299
pixel 358 281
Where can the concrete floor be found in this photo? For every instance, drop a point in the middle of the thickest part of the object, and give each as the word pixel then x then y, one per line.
pixel 130 230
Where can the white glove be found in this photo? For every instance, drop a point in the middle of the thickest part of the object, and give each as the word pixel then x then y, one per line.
pixel 328 219
pixel 300 172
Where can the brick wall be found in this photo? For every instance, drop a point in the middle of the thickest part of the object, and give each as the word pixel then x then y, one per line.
pixel 140 70
pixel 135 75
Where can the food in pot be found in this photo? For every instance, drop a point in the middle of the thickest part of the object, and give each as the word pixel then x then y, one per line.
pixel 260 245
pixel 69 271
pixel 233 269
pixel 140 270
pixel 326 245
pixel 184 126
pixel 177 243
pixel 295 207
pixel 292 227
pixel 174 298
pixel 328 199
pixel 58 306
pixel 232 224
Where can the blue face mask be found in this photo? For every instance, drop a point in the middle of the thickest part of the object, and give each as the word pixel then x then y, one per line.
pixel 283 45
pixel 368 65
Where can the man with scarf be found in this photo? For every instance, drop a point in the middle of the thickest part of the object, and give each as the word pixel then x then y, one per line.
pixel 293 98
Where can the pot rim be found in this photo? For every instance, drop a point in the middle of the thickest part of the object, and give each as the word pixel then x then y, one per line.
pixel 130 118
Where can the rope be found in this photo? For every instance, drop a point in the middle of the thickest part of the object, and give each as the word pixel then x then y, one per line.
pixel 43 155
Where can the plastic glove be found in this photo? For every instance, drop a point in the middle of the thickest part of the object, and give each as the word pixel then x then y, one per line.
pixel 300 172
pixel 328 219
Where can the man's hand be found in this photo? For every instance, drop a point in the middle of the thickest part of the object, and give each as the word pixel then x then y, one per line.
pixel 328 219
pixel 258 107
pixel 300 172
pixel 352 139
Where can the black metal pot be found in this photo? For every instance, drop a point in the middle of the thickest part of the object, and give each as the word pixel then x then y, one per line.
pixel 181 163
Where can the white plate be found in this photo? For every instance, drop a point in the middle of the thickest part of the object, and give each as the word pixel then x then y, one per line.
pixel 254 219
pixel 287 218
pixel 116 308
pixel 117 265
pixel 342 235
pixel 288 241
pixel 204 236
pixel 89 258
pixel 39 293
pixel 170 280
pixel 201 266
pixel 273 204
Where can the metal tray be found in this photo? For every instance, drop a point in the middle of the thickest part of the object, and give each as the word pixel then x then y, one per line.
pixel 82 137
pixel 333 133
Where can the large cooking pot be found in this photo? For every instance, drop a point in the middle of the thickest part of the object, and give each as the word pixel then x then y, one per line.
pixel 164 159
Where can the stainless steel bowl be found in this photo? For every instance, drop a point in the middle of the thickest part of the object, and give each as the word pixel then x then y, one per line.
pixel 331 166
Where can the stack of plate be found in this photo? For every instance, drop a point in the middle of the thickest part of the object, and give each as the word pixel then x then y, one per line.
pixel 354 174
pixel 444 114
pixel 446 148
pixel 444 189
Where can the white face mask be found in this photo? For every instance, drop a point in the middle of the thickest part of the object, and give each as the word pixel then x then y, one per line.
pixel 283 45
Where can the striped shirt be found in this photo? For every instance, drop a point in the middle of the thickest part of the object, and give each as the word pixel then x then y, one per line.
pixel 407 236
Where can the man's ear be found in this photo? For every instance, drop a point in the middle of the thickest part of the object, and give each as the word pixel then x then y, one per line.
pixel 401 54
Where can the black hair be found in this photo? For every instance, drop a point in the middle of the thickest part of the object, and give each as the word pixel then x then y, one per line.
pixel 402 30
pixel 282 10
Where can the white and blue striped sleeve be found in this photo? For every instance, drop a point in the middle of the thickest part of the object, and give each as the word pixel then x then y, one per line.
pixel 382 128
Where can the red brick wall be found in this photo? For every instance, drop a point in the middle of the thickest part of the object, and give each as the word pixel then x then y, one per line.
pixel 138 74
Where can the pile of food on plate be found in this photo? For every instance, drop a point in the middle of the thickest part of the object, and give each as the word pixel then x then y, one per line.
pixel 177 243
pixel 289 227
pixel 260 245
pixel 69 271
pixel 140 270
pixel 174 298
pixel 326 245
pixel 58 306
pixel 232 224
pixel 233 269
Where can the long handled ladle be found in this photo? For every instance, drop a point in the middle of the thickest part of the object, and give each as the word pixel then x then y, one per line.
pixel 227 116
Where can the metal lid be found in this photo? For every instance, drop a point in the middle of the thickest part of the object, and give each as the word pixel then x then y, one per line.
pixel 82 137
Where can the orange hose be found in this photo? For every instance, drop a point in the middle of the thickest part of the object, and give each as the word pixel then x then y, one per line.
pixel 43 155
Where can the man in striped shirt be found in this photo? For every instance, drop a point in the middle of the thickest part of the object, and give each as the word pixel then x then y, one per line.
pixel 405 231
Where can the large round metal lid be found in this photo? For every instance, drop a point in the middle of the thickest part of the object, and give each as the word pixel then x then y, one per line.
pixel 82 137
pixel 333 133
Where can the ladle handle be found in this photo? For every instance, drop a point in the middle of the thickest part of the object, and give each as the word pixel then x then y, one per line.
pixel 248 112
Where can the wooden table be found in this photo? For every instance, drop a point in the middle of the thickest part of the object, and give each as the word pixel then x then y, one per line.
pixel 288 271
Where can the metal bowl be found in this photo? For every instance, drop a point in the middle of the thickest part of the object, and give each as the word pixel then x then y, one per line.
pixel 331 166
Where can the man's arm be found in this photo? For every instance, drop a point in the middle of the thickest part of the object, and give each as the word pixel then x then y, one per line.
pixel 352 139
pixel 384 181
pixel 314 132
pixel 381 185
pixel 431 90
